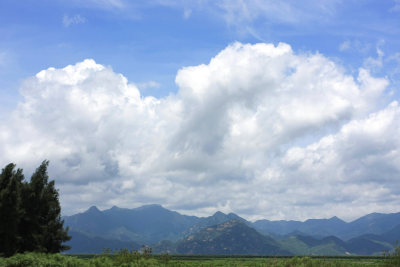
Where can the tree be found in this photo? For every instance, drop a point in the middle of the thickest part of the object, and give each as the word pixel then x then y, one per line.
pixel 32 210
pixel 54 232
pixel 10 209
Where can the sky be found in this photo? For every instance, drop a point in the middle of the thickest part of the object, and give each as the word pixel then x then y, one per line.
pixel 269 109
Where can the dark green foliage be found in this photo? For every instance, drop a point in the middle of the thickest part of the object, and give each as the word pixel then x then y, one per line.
pixel 164 258
pixel 134 259
pixel 10 209
pixel 393 259
pixel 30 213
pixel 43 219
pixel 124 256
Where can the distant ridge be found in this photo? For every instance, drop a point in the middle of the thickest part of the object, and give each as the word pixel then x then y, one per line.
pixel 146 224
pixel 374 223
pixel 167 230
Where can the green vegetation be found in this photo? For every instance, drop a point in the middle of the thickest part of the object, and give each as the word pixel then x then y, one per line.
pixel 30 213
pixel 144 257
pixel 125 258
pixel 393 259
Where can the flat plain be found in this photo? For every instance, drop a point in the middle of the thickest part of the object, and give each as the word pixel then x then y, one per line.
pixel 135 260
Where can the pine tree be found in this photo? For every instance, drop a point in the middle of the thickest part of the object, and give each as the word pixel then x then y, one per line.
pixel 30 226
pixel 53 232
pixel 6 175
pixel 42 224
pixel 10 209
pixel 30 213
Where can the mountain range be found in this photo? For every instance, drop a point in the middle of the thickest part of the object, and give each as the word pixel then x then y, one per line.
pixel 169 231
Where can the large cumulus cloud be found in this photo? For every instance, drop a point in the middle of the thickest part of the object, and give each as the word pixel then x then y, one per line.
pixel 260 130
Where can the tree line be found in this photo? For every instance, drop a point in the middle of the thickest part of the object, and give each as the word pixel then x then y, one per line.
pixel 30 213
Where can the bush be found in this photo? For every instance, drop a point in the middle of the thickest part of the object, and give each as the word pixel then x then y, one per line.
pixel 393 259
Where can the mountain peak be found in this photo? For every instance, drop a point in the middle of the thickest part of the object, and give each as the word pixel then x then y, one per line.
pixel 335 218
pixel 93 209
pixel 218 213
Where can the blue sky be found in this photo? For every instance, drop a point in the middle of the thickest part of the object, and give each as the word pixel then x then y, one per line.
pixel 151 40
pixel 164 48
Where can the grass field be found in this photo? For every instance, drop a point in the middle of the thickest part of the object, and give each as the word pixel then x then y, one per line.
pixel 129 259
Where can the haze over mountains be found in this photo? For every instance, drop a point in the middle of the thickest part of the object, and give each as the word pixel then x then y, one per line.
pixel 168 231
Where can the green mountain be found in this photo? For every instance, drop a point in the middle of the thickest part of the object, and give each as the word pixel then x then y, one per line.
pixel 308 245
pixel 280 227
pixel 216 218
pixel 374 223
pixel 232 237
pixel 145 225
pixel 313 227
pixel 368 245
pixel 392 236
pixel 169 231
pixel 91 222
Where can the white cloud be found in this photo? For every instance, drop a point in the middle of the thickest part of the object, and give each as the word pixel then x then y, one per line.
pixel 240 135
pixel 355 46
pixel 77 19
pixel 149 84
pixel 376 63
pixel 356 168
